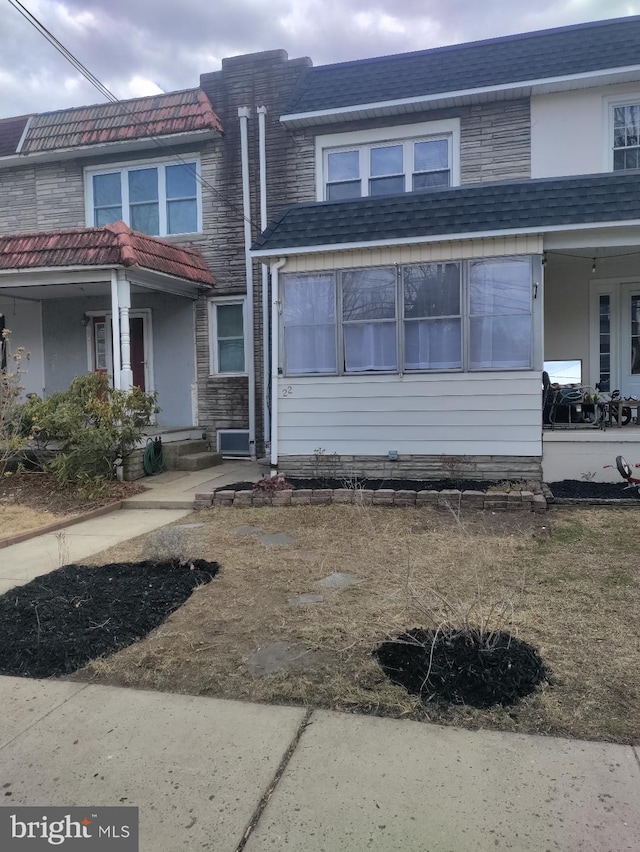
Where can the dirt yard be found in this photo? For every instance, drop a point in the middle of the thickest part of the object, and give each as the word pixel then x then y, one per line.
pixel 30 501
pixel 567 582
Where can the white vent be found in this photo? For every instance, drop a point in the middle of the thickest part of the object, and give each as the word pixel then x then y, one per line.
pixel 233 442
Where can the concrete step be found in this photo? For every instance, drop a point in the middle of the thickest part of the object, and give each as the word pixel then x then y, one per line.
pixel 194 461
pixel 183 448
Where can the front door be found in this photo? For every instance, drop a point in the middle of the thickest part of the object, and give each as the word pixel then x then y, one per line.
pixel 100 347
pixel 138 348
pixel 630 340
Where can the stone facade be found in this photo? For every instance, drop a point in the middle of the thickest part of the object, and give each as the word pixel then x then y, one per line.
pixel 351 468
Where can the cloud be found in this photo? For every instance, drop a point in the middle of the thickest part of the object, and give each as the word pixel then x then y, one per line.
pixel 137 47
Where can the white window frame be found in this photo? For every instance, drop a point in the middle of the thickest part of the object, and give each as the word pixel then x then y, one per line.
pixel 610 103
pixel 213 332
pixel 535 315
pixel 124 168
pixel 364 140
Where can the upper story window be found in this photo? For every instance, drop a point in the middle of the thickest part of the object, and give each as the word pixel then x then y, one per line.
pixel 626 136
pixel 388 160
pixel 157 198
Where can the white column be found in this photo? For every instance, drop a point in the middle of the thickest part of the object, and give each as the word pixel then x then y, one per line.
pixel 124 302
pixel 115 329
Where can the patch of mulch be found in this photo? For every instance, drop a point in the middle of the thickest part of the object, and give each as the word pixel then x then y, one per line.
pixel 579 490
pixel 60 621
pixel 374 484
pixel 462 667
pixel 42 491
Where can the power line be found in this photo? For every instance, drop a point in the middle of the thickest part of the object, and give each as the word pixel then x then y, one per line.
pixel 106 93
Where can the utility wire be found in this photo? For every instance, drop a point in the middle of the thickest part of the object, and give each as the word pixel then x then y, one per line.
pixel 106 93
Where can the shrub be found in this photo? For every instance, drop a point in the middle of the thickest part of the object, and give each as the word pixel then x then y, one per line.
pixel 12 437
pixel 92 425
pixel 270 484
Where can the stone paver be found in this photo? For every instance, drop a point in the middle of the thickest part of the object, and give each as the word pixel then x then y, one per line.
pixel 277 656
pixel 305 600
pixel 245 529
pixel 276 539
pixel 340 580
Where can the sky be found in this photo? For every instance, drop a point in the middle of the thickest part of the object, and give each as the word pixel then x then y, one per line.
pixel 141 47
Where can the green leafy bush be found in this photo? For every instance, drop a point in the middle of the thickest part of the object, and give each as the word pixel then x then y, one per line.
pixel 91 426
pixel 12 437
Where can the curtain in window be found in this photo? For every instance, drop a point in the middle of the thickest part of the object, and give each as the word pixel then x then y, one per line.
pixel 433 327
pixel 500 323
pixel 369 319
pixel 433 345
pixel 309 319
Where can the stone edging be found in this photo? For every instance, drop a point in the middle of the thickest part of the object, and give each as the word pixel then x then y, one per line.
pixel 59 525
pixel 494 500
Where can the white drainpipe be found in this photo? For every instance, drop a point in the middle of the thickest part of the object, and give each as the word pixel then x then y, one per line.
pixel 115 329
pixel 266 424
pixel 243 115
pixel 275 326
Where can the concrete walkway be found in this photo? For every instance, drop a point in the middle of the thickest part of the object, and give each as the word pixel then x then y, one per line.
pixel 212 774
pixel 176 489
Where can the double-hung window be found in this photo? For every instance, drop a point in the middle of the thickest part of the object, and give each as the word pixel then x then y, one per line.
pixel 626 136
pixel 467 315
pixel 226 333
pixel 386 169
pixel 156 199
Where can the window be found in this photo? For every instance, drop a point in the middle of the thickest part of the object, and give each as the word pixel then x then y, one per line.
pixel 626 136
pixel 156 199
pixel 227 336
pixel 407 158
pixel 472 315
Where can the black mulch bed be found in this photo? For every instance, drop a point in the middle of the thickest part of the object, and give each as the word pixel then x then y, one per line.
pixel 374 484
pixel 578 490
pixel 60 621
pixel 461 667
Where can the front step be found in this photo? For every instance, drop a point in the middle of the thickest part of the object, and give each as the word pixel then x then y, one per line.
pixel 194 461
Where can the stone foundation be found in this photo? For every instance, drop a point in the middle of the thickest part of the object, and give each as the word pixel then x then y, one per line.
pixel 484 468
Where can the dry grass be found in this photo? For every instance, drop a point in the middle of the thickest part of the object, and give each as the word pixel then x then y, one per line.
pixel 19 519
pixel 571 579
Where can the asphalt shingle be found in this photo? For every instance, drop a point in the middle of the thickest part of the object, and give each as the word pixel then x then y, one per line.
pixel 531 56
pixel 532 204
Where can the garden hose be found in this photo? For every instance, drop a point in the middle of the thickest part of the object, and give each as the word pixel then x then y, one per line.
pixel 153 458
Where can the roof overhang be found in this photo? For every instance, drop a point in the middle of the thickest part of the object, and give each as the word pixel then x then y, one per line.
pixel 555 236
pixel 485 94
pixel 43 283
pixel 191 137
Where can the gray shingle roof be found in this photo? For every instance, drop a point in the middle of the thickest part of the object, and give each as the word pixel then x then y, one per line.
pixel 531 56
pixel 513 205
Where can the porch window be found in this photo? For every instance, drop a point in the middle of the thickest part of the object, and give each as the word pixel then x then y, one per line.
pixel 227 337
pixel 626 136
pixel 309 324
pixel 157 199
pixel 432 316
pixel 469 315
pixel 604 304
pixel 369 320
pixel 499 314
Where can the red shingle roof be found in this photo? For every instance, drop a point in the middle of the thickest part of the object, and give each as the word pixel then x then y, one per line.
pixel 11 130
pixel 141 118
pixel 113 245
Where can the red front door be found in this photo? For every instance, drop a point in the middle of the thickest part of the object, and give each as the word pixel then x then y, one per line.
pixel 136 331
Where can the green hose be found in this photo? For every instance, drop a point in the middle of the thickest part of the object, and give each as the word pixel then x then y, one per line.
pixel 153 458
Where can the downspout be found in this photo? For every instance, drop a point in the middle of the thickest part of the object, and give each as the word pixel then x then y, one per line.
pixel 266 424
pixel 115 329
pixel 243 115
pixel 275 333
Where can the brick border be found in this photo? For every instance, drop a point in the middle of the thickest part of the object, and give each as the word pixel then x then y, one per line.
pixel 59 525
pixel 493 500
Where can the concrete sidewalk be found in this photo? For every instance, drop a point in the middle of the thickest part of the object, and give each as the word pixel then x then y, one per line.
pixel 212 774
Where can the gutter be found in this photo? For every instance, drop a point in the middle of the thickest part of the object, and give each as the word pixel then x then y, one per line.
pixel 275 347
pixel 243 116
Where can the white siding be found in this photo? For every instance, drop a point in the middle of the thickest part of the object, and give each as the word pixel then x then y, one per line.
pixel 24 320
pixel 453 414
pixel 426 253
pixel 570 130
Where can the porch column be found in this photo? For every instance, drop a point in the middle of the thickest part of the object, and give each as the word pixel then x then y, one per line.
pixel 124 304
pixel 115 329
